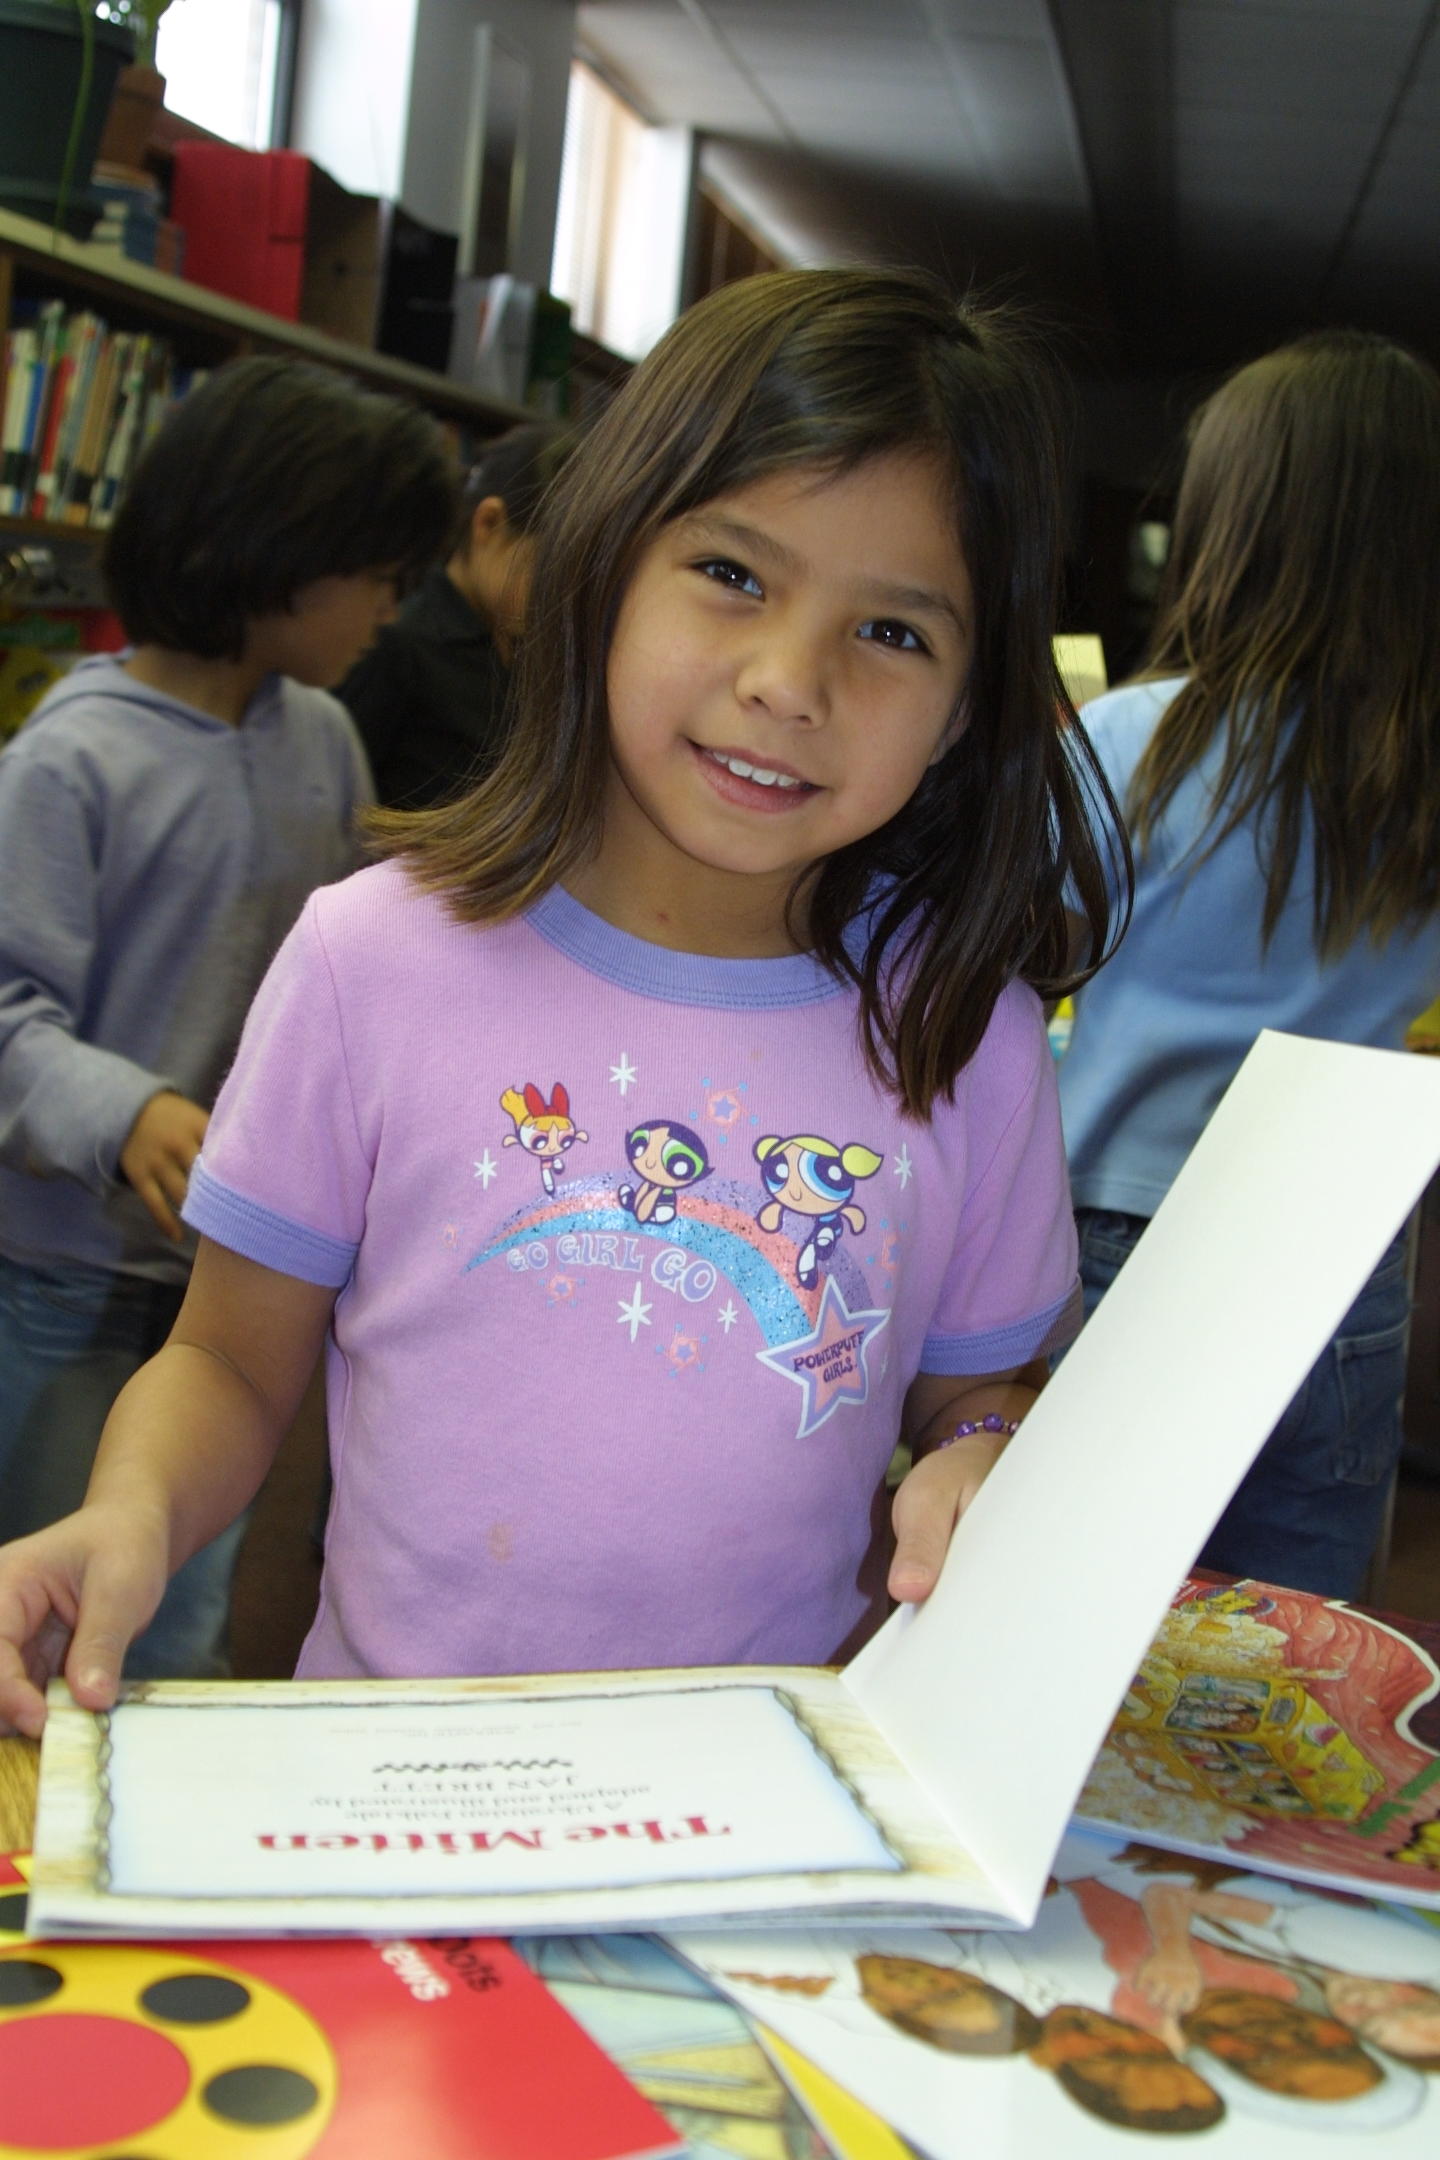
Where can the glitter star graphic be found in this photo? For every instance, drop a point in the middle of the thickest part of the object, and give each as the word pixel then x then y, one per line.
pixel 487 1168
pixel 624 1074
pixel 634 1314
pixel 904 1168
pixel 828 1365
pixel 728 1314
pixel 723 1106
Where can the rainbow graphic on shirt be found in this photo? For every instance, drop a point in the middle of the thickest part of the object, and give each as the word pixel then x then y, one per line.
pixel 819 1339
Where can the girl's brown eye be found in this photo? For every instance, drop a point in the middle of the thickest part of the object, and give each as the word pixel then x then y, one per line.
pixel 897 635
pixel 733 575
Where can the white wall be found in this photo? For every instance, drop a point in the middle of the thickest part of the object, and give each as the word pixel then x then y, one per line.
pixel 543 33
pixel 382 101
pixel 352 90
pixel 645 287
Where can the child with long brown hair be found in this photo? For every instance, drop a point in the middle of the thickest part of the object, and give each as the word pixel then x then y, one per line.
pixel 749 923
pixel 1279 760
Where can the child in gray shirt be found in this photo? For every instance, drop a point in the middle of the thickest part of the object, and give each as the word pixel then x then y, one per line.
pixel 164 814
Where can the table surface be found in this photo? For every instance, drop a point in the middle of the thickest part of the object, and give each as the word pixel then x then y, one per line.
pixel 19 1769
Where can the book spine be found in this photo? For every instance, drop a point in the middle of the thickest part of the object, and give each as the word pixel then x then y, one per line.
pixel 34 399
pixel 43 484
pixel 51 327
pixel 90 330
pixel 90 450
pixel 19 351
pixel 123 435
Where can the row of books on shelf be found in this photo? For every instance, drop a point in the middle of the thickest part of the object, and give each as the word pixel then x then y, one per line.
pixel 80 403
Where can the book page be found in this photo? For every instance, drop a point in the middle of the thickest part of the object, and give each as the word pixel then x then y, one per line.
pixel 1286 1733
pixel 597 1792
pixel 349 1805
pixel 1278 2021
pixel 1058 1575
pixel 724 2080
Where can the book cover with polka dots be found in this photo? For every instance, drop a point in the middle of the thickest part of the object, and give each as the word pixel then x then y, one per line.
pixel 274 2050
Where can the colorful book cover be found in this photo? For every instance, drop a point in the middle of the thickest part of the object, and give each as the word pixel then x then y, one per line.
pixel 275 2050
pixel 1156 1997
pixel 684 2045
pixel 1285 1732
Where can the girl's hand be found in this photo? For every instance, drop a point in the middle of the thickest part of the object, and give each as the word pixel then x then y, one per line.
pixel 73 1597
pixel 928 1504
pixel 948 1473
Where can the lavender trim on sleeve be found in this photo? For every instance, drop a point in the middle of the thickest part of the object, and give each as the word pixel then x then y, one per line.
pixel 257 1233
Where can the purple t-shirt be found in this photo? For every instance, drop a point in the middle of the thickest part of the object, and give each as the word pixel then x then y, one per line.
pixel 635 1264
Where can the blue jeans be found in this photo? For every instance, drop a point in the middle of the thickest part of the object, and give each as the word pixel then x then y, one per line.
pixel 1308 1513
pixel 70 1337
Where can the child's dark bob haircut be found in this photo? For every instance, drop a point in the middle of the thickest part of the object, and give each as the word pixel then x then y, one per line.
pixel 270 475
pixel 967 886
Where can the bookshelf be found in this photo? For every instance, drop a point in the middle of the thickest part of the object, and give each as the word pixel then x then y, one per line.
pixel 41 264
pixel 201 329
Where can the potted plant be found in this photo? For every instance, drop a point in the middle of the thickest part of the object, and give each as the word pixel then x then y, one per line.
pixel 142 17
pixel 59 60
pixel 140 90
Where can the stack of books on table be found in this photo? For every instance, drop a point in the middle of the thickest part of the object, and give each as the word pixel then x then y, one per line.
pixel 1203 1961
pixel 1236 1937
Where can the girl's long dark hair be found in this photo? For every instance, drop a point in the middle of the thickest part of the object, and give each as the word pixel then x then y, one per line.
pixel 826 369
pixel 1302 602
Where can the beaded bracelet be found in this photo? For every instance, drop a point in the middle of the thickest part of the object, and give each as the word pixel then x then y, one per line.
pixel 992 1422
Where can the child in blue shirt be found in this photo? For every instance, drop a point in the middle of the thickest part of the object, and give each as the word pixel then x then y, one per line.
pixel 1277 764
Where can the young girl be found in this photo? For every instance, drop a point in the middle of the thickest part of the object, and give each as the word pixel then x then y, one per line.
pixel 785 829
pixel 1279 764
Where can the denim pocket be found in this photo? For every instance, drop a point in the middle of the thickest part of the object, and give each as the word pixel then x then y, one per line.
pixel 1370 1376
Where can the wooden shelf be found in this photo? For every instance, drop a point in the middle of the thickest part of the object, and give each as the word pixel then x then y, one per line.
pixel 150 298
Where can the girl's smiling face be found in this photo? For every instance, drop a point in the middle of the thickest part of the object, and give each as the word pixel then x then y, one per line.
pixel 786 663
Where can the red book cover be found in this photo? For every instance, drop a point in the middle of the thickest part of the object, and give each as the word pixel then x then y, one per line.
pixel 45 463
pixel 244 215
pixel 347 2050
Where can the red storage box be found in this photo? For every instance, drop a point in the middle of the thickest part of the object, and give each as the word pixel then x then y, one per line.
pixel 244 214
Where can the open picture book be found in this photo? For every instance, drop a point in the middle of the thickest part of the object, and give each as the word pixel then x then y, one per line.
pixel 929 1783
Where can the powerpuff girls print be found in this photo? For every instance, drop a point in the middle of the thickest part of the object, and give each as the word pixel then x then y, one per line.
pixel 545 1130
pixel 814 1179
pixel 668 1158
pixel 717 1246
